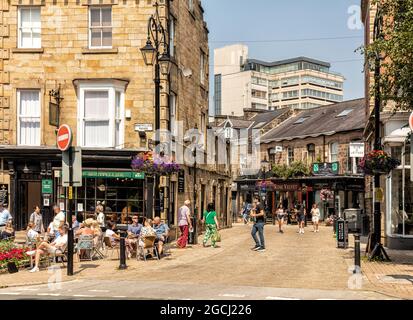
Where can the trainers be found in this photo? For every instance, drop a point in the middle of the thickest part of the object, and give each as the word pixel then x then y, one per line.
pixel 35 269
pixel 256 248
pixel 261 250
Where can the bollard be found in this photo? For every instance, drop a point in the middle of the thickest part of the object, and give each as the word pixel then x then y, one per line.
pixel 122 265
pixel 357 261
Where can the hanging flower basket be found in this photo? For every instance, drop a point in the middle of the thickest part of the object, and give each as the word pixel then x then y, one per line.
pixel 154 165
pixel 326 195
pixel 378 162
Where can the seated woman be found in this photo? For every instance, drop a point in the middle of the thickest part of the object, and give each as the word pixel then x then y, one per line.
pixel 31 234
pixel 114 237
pixel 8 231
pixel 146 231
pixel 46 248
pixel 85 228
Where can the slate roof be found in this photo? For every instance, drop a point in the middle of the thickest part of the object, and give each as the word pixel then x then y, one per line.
pixel 320 121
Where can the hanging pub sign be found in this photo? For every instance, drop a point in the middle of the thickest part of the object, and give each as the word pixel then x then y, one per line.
pixel 4 193
pixel 326 169
pixel 181 181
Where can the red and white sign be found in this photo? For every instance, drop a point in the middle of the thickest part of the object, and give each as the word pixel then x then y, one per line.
pixel 64 137
pixel 411 121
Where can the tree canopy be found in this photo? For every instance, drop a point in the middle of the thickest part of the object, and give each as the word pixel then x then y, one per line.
pixel 394 45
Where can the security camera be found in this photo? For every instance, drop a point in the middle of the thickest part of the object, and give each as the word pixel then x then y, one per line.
pixel 187 72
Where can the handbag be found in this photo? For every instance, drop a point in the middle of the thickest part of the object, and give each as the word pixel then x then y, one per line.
pixel 217 236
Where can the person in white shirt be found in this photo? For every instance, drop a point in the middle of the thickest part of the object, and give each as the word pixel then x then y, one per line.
pixel 58 220
pixel 44 248
pixel 101 216
pixel 113 236
pixel 32 234
pixel 315 213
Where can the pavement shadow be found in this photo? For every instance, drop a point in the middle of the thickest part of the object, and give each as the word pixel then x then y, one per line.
pixel 402 277
pixel 84 267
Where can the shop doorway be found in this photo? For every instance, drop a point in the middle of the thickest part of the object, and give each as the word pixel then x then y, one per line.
pixel 30 196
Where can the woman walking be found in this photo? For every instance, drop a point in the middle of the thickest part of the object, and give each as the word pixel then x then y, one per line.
pixel 280 216
pixel 184 224
pixel 301 218
pixel 212 225
pixel 315 214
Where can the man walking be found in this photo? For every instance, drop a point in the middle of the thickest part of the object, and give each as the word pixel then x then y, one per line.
pixel 37 220
pixel 259 222
pixel 184 224
pixel 5 216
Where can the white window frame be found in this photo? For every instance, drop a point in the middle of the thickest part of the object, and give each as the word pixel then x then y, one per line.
pixel 20 31
pixel 19 142
pixel 172 36
pixel 173 114
pixel 330 151
pixel 288 155
pixel 100 27
pixel 191 5
pixel 202 68
pixel 112 89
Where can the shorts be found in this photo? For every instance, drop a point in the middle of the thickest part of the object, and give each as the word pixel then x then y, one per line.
pixel 280 216
pixel 316 219
pixel 300 218
pixel 52 250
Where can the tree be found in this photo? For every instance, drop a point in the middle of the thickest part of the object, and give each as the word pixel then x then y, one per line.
pixel 395 48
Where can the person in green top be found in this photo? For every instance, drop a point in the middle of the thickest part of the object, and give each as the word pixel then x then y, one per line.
pixel 212 225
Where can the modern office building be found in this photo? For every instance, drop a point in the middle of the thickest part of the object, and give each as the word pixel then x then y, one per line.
pixel 297 83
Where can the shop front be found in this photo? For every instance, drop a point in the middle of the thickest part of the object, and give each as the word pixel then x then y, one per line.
pixel 399 189
pixel 35 179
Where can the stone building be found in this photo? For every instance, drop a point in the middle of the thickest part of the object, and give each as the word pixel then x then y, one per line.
pixel 89 52
pixel 317 140
pixel 397 207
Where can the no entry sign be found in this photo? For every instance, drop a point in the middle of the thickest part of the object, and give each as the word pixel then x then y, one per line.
pixel 64 137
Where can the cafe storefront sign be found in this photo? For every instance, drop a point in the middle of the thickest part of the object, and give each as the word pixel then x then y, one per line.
pixel 286 186
pixel 113 174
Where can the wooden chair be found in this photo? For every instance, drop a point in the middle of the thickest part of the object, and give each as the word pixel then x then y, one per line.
pixel 109 245
pixel 149 244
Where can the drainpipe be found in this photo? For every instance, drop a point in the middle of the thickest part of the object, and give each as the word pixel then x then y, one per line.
pixel 324 148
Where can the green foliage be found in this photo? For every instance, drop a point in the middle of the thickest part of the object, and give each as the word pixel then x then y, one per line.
pixel 395 47
pixel 296 169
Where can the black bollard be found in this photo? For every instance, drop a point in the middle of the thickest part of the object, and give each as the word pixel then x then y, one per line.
pixel 122 265
pixel 357 259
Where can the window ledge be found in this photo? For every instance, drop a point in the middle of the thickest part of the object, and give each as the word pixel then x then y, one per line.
pixel 99 51
pixel 27 50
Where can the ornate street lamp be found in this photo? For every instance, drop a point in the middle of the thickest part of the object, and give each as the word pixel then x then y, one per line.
pixel 156 52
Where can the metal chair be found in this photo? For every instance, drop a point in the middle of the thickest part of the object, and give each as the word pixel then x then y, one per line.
pixel 98 246
pixel 149 244
pixel 85 245
pixel 109 245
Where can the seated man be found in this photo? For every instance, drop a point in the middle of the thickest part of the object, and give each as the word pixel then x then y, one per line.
pixel 135 228
pixel 162 232
pixel 44 248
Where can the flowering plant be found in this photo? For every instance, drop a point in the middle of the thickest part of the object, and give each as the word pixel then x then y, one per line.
pixel 378 162
pixel 10 253
pixel 154 165
pixel 326 194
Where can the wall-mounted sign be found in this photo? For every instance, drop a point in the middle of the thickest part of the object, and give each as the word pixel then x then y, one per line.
pixel 286 186
pixel 143 127
pixel 4 193
pixel 47 186
pixel 46 202
pixel 181 181
pixel 113 174
pixel 326 169
pixel 356 150
pixel 278 149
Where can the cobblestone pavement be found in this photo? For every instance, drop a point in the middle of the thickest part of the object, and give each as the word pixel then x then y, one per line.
pixel 292 262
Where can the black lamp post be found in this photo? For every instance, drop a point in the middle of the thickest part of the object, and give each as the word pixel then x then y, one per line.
pixel 378 251
pixel 193 236
pixel 156 52
pixel 264 166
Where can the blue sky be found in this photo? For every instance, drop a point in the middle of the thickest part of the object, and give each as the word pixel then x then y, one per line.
pixel 241 21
